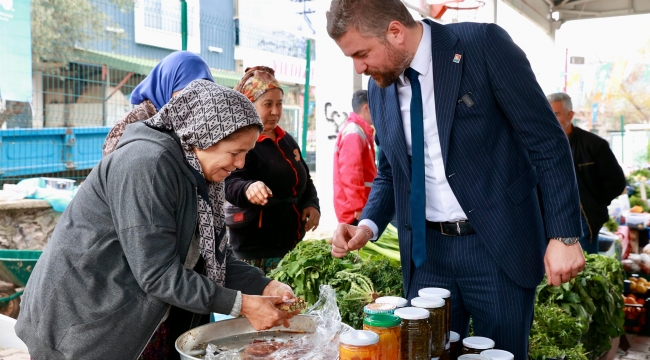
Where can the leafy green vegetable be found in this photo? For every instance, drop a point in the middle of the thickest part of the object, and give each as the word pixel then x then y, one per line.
pixel 359 283
pixel 611 225
pixel 309 265
pixel 594 297
pixel 555 333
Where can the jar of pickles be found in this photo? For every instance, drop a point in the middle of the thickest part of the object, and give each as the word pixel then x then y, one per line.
pixel 374 308
pixel 388 328
pixel 359 345
pixel 477 344
pixel 498 354
pixel 399 302
pixel 415 332
pixel 436 308
pixel 445 295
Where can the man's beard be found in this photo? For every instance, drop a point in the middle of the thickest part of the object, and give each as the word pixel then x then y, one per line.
pixel 400 60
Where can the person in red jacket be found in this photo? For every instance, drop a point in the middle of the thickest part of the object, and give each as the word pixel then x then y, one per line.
pixel 354 161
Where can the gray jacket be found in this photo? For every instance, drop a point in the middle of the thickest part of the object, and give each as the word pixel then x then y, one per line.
pixel 114 264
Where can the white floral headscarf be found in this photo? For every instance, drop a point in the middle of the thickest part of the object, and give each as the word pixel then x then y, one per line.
pixel 203 114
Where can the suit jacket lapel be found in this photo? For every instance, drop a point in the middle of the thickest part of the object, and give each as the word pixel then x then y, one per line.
pixel 446 79
pixel 395 126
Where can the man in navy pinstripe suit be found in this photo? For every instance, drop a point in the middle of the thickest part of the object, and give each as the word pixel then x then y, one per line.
pixel 488 202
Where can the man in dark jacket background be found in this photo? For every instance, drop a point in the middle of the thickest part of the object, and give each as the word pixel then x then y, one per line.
pixel 600 177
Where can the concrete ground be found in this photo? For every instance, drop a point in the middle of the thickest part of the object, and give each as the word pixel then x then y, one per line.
pixel 639 349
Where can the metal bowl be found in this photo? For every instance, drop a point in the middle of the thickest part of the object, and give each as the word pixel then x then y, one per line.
pixel 236 333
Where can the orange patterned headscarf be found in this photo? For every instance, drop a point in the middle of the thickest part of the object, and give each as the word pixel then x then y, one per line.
pixel 257 81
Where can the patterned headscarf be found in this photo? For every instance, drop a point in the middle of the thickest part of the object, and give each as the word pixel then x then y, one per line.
pixel 203 114
pixel 257 81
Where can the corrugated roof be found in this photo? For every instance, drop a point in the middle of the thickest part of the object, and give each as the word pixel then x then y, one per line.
pixel 144 66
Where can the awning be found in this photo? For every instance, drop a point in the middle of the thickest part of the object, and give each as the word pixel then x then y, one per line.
pixel 144 66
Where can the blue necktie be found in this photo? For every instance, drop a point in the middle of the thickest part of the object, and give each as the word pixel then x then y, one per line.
pixel 418 192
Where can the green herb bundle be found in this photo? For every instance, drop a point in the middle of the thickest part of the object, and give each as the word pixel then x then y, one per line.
pixel 593 297
pixel 555 333
pixel 358 283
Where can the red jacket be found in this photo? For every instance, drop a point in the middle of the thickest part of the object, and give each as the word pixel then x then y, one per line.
pixel 354 167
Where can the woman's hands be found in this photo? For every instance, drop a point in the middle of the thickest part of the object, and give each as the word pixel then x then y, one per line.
pixel 258 193
pixel 261 310
pixel 276 288
pixel 262 313
pixel 312 216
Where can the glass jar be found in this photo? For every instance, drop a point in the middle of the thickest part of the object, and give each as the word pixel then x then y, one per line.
pixel 390 334
pixel 359 345
pixel 399 302
pixel 454 346
pixel 436 308
pixel 445 295
pixel 374 308
pixel 498 354
pixel 415 333
pixel 476 345
pixel 473 357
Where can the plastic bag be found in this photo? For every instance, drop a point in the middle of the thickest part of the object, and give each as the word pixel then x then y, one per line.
pixel 321 345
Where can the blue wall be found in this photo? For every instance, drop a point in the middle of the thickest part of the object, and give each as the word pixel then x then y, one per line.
pixel 217 29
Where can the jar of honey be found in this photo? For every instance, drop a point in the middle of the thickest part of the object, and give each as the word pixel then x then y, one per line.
pixel 477 344
pixel 416 333
pixel 436 308
pixel 389 331
pixel 359 345
pixel 445 295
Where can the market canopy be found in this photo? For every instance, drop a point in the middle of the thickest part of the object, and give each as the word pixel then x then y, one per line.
pixel 144 66
pixel 543 12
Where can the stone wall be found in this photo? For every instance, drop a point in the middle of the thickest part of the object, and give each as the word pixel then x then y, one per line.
pixel 26 224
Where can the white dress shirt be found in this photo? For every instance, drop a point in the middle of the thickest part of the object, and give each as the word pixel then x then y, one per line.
pixel 441 203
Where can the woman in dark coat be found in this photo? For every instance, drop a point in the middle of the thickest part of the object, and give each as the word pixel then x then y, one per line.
pixel 142 245
pixel 274 198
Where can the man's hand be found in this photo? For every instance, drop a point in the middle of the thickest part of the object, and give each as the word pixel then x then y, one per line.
pixel 312 216
pixel 563 262
pixel 262 313
pixel 258 193
pixel 348 238
pixel 357 215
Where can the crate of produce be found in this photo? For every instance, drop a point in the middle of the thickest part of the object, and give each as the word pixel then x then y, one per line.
pixel 635 316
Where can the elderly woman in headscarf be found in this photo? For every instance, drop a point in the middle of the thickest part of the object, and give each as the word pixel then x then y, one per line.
pixel 168 78
pixel 143 242
pixel 272 200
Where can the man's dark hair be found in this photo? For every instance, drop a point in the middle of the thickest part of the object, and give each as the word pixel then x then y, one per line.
pixel 359 99
pixel 369 17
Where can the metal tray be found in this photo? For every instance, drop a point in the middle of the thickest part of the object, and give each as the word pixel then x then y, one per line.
pixel 236 333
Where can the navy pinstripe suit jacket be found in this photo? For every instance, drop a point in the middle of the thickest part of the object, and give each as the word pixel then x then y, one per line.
pixel 506 157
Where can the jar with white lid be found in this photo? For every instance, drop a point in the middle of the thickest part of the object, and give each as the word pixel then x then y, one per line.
pixel 415 333
pixel 436 308
pixel 495 354
pixel 375 308
pixel 477 344
pixel 359 344
pixel 454 346
pixel 444 294
pixel 399 302
pixel 473 357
